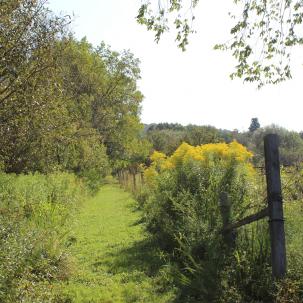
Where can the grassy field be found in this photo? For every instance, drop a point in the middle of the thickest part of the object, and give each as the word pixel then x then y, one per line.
pixel 115 260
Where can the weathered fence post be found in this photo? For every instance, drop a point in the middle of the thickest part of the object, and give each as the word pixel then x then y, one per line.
pixel 142 177
pixel 275 206
pixel 134 181
pixel 120 177
pixel 124 179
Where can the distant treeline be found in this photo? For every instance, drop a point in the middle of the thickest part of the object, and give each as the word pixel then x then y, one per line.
pixel 166 137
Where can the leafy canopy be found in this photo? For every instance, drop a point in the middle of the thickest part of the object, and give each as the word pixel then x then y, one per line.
pixel 262 36
pixel 64 104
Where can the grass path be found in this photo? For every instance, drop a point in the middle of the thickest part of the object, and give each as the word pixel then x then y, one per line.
pixel 115 260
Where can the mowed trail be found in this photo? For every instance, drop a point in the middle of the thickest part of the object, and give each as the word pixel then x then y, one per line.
pixel 114 258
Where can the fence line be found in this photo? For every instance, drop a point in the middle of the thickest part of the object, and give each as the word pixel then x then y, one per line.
pixel 274 210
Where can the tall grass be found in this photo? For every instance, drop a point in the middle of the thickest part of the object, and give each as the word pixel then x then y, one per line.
pixel 36 212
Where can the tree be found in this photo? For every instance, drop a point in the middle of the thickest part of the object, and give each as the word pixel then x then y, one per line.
pixel 30 115
pixel 28 48
pixel 254 125
pixel 197 135
pixel 166 140
pixel 166 137
pixel 291 144
pixel 261 38
pixel 64 104
pixel 101 88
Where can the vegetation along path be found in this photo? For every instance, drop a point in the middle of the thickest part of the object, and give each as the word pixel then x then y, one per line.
pixel 116 262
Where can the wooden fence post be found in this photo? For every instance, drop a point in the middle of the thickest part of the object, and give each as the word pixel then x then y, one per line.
pixel 123 179
pixel 142 177
pixel 275 206
pixel 134 181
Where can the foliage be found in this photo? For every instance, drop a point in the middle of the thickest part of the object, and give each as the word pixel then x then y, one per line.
pixel 292 186
pixel 66 105
pixel 291 288
pixel 161 126
pixel 165 140
pixel 36 213
pixel 31 116
pixel 182 209
pixel 208 154
pixel 254 125
pixel 261 41
pixel 28 45
pixel 166 137
pixel 102 89
pixel 155 17
pixel 197 135
pixel 291 144
pixel 183 214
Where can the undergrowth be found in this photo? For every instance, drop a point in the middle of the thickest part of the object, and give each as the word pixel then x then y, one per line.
pixel 184 213
pixel 36 212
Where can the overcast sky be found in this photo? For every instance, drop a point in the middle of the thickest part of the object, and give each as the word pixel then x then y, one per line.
pixel 191 87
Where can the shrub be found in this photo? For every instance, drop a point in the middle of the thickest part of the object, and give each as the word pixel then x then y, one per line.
pixel 184 215
pixel 35 216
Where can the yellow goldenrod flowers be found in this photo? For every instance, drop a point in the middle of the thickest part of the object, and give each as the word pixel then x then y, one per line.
pixel 206 155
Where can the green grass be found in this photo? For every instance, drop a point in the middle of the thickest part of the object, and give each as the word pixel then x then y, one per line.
pixel 114 258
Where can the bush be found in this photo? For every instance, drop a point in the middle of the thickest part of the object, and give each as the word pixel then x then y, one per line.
pixel 141 195
pixel 184 214
pixel 186 188
pixel 35 216
pixel 87 158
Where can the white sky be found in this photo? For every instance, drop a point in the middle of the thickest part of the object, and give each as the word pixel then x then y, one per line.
pixel 191 87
